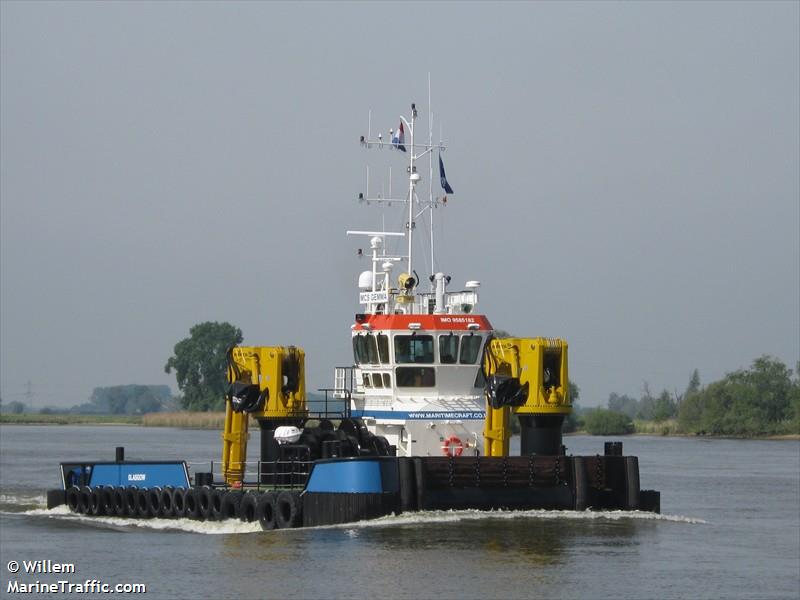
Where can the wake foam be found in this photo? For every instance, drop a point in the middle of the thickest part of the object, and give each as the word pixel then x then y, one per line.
pixel 455 516
pixel 230 526
pixel 22 499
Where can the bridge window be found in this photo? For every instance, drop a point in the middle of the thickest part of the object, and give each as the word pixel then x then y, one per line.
pixel 372 350
pixel 448 349
pixel 377 380
pixel 387 380
pixel 413 349
pixel 360 348
pixel 470 347
pixel 383 348
pixel 416 376
pixel 365 349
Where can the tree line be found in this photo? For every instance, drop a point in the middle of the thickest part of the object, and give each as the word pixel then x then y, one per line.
pixel 133 399
pixel 763 399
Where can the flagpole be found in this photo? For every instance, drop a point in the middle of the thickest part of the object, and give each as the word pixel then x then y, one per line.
pixel 411 193
pixel 430 172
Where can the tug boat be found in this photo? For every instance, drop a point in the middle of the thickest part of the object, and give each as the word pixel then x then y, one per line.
pixel 420 421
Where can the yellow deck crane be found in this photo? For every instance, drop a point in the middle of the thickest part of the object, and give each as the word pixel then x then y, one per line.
pixel 526 376
pixel 267 383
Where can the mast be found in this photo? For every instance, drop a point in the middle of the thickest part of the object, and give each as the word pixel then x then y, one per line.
pixel 430 172
pixel 413 178
pixel 416 151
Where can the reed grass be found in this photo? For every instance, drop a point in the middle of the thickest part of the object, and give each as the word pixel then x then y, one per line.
pixel 35 419
pixel 185 419
pixel 667 427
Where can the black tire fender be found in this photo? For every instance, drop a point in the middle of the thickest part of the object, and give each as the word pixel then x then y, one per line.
pixel 289 511
pixel 248 507
pixel 119 501
pixel 179 503
pixel 143 503
pixel 167 506
pixel 107 500
pixel 131 500
pixel 230 505
pixel 73 498
pixel 266 511
pixel 216 498
pixel 96 502
pixel 192 510
pixel 204 497
pixel 154 501
pixel 85 503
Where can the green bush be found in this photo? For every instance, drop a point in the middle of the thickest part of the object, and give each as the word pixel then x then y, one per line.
pixel 607 422
pixel 761 400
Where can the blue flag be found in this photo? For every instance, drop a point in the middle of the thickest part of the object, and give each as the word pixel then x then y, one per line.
pixel 445 186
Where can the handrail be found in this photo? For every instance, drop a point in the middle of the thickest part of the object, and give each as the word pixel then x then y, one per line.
pixel 345 402
pixel 286 473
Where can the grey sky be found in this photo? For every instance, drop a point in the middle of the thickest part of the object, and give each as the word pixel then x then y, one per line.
pixel 626 177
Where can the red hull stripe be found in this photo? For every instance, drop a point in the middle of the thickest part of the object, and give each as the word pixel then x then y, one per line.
pixel 426 322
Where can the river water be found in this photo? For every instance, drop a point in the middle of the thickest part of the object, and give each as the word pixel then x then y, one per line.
pixel 730 528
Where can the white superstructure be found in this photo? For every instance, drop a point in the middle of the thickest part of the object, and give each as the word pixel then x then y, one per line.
pixel 417 376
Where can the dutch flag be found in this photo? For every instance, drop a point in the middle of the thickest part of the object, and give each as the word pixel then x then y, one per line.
pixel 399 138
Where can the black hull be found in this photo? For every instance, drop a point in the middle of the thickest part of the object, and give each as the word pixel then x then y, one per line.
pixel 608 482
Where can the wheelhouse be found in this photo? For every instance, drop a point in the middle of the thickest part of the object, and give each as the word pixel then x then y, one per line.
pixel 418 359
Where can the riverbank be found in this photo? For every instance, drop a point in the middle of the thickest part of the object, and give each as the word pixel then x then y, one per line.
pixel 33 419
pixel 185 420
pixel 694 436
pixel 671 428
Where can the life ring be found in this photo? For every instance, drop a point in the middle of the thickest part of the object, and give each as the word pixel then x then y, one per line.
pixel 453 446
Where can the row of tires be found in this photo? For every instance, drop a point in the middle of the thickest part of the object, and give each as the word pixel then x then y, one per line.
pixel 272 510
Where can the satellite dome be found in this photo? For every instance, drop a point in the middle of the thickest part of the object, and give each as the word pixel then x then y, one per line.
pixel 365 280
